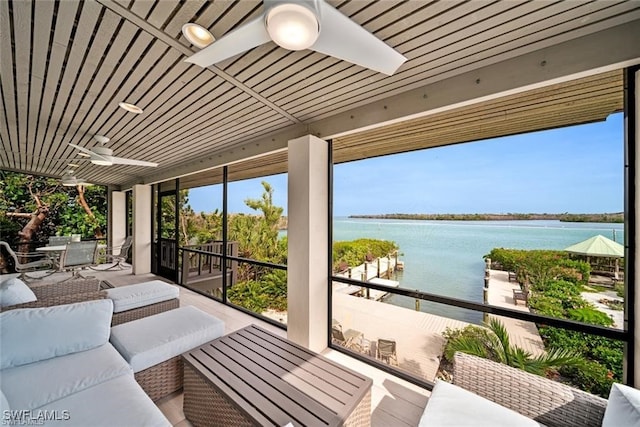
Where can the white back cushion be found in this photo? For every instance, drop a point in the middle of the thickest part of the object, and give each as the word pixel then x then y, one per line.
pixel 623 407
pixel 14 291
pixel 4 403
pixel 31 334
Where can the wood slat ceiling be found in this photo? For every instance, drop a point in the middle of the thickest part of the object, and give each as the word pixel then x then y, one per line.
pixel 65 65
pixel 580 101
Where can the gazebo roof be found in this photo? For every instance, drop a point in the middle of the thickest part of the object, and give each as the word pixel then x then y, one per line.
pixel 598 246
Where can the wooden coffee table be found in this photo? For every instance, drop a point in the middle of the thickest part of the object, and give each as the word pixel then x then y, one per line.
pixel 254 377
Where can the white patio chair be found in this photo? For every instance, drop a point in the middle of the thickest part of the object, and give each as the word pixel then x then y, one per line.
pixel 78 255
pixel 117 255
pixel 29 262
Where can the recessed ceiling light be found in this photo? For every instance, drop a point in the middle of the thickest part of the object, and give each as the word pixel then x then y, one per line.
pixel 73 165
pixel 197 35
pixel 83 155
pixel 130 107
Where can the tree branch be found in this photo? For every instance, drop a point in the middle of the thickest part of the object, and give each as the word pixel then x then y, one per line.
pixel 20 214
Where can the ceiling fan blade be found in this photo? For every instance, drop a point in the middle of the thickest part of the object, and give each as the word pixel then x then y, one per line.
pixel 344 39
pixel 240 40
pixel 86 150
pixel 132 162
pixel 93 155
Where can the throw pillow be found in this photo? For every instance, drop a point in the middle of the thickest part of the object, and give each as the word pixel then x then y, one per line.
pixel 623 407
pixel 14 291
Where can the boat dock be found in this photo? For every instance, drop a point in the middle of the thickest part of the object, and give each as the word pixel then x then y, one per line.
pixel 378 271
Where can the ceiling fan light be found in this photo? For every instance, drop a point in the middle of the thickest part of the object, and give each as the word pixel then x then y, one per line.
pixel 69 181
pixel 292 26
pixel 102 156
pixel 130 107
pixel 197 35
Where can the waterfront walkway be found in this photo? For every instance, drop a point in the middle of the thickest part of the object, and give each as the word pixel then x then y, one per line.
pixel 521 333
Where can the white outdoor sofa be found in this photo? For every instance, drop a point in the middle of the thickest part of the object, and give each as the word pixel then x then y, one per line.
pixel 57 367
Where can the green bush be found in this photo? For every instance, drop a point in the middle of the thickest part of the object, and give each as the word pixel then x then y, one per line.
pixel 493 343
pixel 592 377
pixel 589 315
pixel 555 282
pixel 604 356
pixel 470 333
pixel 355 252
pixel 619 288
pixel 547 305
pixel 268 292
pixel 539 267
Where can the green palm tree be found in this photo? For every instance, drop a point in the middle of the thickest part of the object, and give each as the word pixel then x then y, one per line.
pixel 493 343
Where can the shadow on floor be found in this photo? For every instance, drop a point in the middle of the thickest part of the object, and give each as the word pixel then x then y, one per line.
pixel 401 406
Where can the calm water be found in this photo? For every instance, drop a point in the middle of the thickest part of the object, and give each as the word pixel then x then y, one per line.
pixel 445 257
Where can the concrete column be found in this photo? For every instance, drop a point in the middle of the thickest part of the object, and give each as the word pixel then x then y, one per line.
pixel 142 215
pixel 307 211
pixel 118 221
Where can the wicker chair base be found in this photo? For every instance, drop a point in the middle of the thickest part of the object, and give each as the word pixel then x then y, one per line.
pixel 44 290
pixel 162 379
pixel 59 300
pixel 204 406
pixel 147 310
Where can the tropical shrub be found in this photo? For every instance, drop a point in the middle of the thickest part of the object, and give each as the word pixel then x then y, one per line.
pixel 591 377
pixel 492 342
pixel 355 252
pixel 589 315
pixel 540 267
pixel 556 282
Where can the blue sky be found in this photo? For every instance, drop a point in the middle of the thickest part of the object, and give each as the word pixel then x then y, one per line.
pixel 577 169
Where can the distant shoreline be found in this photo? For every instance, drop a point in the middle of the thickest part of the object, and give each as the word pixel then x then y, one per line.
pixel 617 217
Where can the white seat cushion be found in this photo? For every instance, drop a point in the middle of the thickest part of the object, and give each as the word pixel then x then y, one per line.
pixel 623 407
pixel 117 402
pixel 151 340
pixel 450 405
pixel 133 296
pixel 36 384
pixel 31 334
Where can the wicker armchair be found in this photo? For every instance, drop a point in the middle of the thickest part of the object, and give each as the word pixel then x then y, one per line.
pixel 548 402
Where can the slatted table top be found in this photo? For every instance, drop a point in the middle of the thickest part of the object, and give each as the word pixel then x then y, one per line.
pixel 275 381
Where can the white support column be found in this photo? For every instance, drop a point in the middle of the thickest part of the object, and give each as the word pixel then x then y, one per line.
pixel 307 283
pixel 142 215
pixel 635 280
pixel 118 218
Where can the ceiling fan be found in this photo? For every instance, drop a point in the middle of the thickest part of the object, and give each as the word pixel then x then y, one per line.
pixel 103 156
pixel 304 24
pixel 68 179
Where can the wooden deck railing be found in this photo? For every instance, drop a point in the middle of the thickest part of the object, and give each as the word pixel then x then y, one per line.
pixel 204 261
